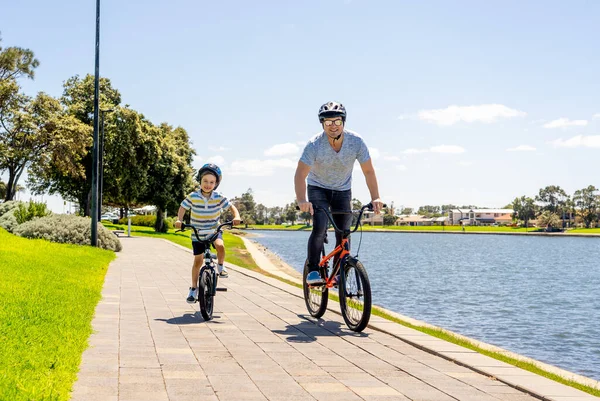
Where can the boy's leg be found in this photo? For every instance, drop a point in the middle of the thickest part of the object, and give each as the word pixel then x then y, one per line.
pixel 198 261
pixel 220 247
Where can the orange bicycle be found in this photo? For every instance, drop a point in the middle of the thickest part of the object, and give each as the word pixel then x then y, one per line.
pixel 348 274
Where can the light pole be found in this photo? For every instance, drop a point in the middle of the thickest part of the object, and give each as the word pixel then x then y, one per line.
pixel 101 162
pixel 94 208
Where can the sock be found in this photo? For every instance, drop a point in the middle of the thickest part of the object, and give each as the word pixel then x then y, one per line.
pixel 222 268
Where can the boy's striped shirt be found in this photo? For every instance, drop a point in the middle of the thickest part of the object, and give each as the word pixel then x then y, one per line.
pixel 205 213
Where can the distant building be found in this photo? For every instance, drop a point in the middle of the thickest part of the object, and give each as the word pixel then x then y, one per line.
pixel 479 216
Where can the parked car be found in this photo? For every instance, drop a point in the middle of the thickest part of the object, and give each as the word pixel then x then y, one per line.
pixel 113 218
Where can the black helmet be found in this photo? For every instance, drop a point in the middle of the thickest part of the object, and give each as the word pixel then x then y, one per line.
pixel 332 109
pixel 210 168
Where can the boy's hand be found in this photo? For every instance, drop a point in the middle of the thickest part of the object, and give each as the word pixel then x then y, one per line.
pixel 236 221
pixel 178 224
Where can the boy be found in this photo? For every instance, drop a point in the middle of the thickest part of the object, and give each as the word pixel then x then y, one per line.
pixel 206 206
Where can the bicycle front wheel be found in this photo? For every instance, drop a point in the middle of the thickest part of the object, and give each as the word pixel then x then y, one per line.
pixel 315 297
pixel 355 295
pixel 205 293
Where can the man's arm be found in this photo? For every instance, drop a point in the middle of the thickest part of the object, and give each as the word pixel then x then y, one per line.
pixel 371 178
pixel 300 186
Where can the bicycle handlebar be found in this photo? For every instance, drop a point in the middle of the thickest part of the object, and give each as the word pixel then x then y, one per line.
pixel 209 237
pixel 335 227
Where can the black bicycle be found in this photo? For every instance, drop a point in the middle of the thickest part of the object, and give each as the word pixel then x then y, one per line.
pixel 347 273
pixel 208 277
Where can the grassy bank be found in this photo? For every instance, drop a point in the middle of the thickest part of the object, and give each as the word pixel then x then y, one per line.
pixel 48 293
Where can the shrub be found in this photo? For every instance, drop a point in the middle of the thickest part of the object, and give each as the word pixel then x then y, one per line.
pixel 28 212
pixel 7 206
pixel 146 221
pixel 65 228
pixel 8 220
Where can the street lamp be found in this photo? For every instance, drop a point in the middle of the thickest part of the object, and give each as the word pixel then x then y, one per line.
pixel 101 161
pixel 94 208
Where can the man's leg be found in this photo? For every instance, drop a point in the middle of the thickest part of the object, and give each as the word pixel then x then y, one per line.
pixel 341 202
pixel 319 197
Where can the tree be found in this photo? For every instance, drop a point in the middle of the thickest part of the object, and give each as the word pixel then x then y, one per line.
pixel 524 209
pixel 78 98
pixel 586 200
pixel 35 131
pixel 356 204
pixel 129 148
pixel 275 214
pixel 291 214
pixel 2 189
pixel 261 213
pixel 429 211
pixel 548 219
pixel 407 210
pixel 249 205
pixel 170 175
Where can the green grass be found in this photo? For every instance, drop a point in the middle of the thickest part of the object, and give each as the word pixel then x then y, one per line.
pixel 237 254
pixel 48 293
pixel 584 231
pixel 405 228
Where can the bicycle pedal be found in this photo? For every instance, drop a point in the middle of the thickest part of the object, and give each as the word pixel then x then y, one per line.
pixel 221 289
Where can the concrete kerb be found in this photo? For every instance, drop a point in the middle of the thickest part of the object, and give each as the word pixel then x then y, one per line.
pixel 460 355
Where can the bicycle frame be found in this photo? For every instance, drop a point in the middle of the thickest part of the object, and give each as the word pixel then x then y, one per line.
pixel 342 251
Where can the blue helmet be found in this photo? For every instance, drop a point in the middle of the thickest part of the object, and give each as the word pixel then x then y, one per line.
pixel 210 168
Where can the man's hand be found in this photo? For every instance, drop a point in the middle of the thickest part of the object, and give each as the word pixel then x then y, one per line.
pixel 178 224
pixel 237 220
pixel 377 205
pixel 306 207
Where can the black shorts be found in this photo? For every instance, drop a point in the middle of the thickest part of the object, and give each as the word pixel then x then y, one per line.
pixel 199 247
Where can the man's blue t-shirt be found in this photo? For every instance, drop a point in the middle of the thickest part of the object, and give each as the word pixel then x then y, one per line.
pixel 331 169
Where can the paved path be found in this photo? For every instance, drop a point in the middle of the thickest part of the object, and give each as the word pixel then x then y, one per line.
pixel 149 344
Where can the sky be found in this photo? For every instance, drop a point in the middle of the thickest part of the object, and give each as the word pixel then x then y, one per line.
pixel 462 102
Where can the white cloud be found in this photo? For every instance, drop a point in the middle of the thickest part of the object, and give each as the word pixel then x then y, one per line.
pixel 437 149
pixel 485 113
pixel 218 149
pixel 282 149
pixel 259 168
pixel 597 115
pixel 216 160
pixel 447 149
pixel 401 167
pixel 521 148
pixel 391 158
pixel 465 163
pixel 565 122
pixel 414 151
pixel 592 141
pixel 374 152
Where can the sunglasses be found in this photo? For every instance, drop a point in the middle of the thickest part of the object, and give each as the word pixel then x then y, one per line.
pixel 329 123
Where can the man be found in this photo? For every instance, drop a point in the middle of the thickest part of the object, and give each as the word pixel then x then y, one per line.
pixel 326 165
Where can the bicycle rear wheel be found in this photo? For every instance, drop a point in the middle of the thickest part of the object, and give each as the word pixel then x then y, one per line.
pixel 315 297
pixel 355 295
pixel 205 293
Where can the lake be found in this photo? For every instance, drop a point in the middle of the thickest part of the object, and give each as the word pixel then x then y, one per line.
pixel 536 296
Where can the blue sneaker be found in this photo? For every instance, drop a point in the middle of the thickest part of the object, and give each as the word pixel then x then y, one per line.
pixel 314 278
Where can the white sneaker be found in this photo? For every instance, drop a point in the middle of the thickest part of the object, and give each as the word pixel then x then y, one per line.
pixel 192 296
pixel 223 271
